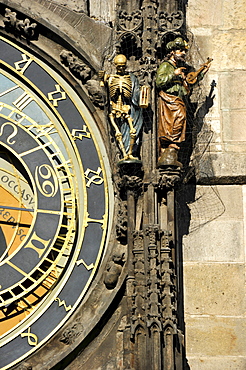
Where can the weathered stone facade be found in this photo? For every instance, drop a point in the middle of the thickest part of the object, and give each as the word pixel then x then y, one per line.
pixel 210 204
pixel 214 252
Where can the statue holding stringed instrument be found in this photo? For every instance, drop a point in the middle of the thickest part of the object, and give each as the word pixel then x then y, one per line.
pixel 174 82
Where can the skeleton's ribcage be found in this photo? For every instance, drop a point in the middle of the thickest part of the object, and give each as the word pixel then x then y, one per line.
pixel 120 85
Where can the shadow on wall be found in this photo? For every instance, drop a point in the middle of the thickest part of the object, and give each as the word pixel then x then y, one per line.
pixel 206 202
pixel 195 206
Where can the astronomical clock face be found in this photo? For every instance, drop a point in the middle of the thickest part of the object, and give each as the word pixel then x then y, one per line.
pixel 54 208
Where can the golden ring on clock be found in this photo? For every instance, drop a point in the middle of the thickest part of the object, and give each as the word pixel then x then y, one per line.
pixel 53 226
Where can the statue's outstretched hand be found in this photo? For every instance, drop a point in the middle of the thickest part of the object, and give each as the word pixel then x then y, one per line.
pixel 180 72
pixel 206 68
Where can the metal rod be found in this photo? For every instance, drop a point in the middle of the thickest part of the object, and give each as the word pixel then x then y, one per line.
pixel 18 208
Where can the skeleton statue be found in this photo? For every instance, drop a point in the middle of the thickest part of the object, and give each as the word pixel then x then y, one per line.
pixel 126 103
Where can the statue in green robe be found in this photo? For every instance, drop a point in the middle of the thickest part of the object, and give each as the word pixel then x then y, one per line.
pixel 173 84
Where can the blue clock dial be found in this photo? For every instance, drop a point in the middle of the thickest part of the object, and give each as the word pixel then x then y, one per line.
pixel 54 202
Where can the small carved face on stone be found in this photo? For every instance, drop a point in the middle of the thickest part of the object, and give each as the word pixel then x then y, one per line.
pixel 118 257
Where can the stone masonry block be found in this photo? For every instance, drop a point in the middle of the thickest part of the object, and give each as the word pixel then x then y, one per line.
pixel 215 241
pixel 226 14
pixel 233 11
pixel 224 46
pixel 215 336
pixel 230 197
pixel 223 167
pixel 75 5
pixel 218 363
pixel 227 47
pixel 214 289
pixel 102 10
pixel 234 125
pixel 199 14
pixel 232 90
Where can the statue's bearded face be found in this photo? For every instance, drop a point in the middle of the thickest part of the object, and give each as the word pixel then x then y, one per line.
pixel 179 56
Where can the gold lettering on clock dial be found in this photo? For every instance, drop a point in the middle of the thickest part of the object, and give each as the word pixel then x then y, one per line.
pixel 22 101
pixel 94 179
pixel 23 64
pixel 103 221
pixel 63 303
pixel 82 262
pixel 32 339
pixel 80 134
pixel 48 188
pixel 52 94
pixel 35 238
pixel 14 133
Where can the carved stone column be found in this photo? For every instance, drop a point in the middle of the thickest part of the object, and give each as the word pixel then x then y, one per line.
pixel 169 177
pixel 131 186
pixel 152 339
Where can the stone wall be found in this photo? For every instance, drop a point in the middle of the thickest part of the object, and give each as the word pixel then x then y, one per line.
pixel 103 11
pixel 214 247
pixel 214 240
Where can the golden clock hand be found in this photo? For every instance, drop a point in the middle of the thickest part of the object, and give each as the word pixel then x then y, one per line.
pixel 10 223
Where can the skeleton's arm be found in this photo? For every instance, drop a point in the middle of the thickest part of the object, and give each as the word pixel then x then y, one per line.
pixel 103 76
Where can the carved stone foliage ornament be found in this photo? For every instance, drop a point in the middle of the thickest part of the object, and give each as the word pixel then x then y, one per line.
pixel 121 227
pixel 75 65
pixel 170 21
pixel 168 178
pixel 25 367
pixel 133 183
pixel 85 74
pixel 19 27
pixel 141 32
pixel 71 333
pixel 130 22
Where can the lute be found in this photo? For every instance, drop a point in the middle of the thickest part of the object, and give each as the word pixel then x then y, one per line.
pixel 191 77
